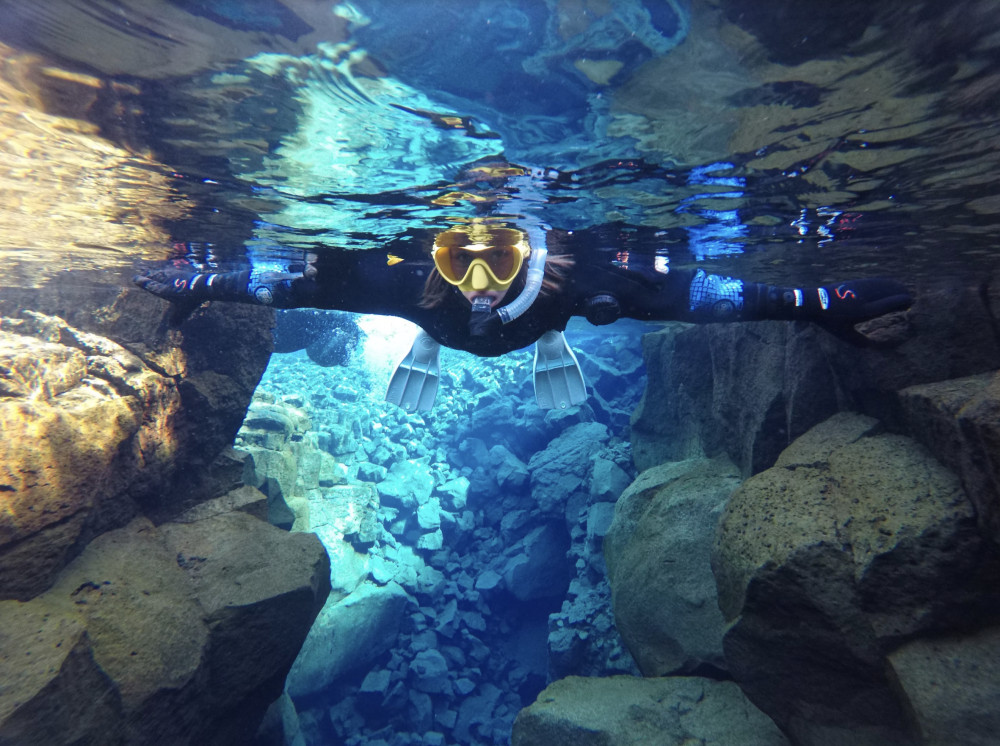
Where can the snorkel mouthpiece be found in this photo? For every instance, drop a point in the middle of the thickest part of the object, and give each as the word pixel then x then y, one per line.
pixel 481 305
pixel 482 310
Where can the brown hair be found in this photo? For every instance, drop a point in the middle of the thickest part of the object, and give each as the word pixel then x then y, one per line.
pixel 557 267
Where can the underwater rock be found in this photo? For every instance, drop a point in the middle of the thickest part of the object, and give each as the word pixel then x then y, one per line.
pixel 750 389
pixel 429 515
pixel 369 472
pixel 954 683
pixel 69 438
pixel 342 442
pixel 274 473
pixel 582 639
pixel 281 725
pixel 456 492
pixel 959 422
pixel 279 462
pixel 609 364
pixel 599 519
pixel 488 580
pixel 181 634
pixel 244 499
pixel 630 711
pixel 376 682
pixel 431 541
pixel 54 691
pixel 346 512
pixel 658 553
pixel 564 466
pixel 429 672
pixel 853 543
pixel 537 568
pixel 83 421
pixel 271 425
pixel 347 635
pixel 948 333
pixel 744 389
pixel 476 714
pixel 510 472
pixel 607 481
pixel 514 525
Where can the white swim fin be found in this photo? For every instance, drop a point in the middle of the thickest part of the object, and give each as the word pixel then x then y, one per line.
pixel 414 384
pixel 559 381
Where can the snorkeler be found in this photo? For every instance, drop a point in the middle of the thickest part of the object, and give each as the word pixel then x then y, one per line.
pixel 489 288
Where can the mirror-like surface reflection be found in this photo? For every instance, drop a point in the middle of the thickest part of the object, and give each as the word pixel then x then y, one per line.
pixel 865 146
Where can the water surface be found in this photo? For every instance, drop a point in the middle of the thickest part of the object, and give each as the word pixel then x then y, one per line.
pixel 775 141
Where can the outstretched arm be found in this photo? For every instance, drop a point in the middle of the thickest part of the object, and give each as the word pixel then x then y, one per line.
pixel 278 289
pixel 699 297
pixel 717 298
pixel 361 281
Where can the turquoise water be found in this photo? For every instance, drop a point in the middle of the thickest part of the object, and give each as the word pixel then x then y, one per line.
pixel 779 142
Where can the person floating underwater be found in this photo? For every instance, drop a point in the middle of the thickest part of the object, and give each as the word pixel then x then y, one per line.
pixel 488 287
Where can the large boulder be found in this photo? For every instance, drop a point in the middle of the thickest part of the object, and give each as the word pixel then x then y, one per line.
pixel 564 466
pixel 959 422
pixel 180 634
pixel 97 430
pixel 631 711
pixel 537 566
pixel 349 634
pixel 277 456
pixel 855 542
pixel 954 684
pixel 750 389
pixel 743 389
pixel 69 439
pixel 658 552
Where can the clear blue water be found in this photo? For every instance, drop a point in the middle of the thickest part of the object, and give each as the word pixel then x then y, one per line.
pixel 778 141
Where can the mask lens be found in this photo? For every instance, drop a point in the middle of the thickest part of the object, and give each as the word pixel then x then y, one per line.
pixel 460 260
pixel 501 261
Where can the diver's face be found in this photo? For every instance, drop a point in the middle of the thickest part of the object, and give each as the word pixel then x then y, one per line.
pixel 495 296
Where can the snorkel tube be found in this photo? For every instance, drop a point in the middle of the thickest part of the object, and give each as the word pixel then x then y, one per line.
pixel 533 279
pixel 529 200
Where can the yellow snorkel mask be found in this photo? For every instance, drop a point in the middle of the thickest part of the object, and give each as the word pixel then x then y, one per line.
pixel 479 256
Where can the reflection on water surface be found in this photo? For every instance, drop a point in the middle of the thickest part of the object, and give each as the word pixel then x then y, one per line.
pixel 780 145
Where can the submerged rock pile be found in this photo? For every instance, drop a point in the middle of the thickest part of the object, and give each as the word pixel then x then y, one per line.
pixel 465 542
pixel 134 610
pixel 855 567
pixel 850 572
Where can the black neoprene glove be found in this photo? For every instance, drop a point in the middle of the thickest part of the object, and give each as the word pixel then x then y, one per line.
pixel 859 300
pixel 178 284
pixel 851 301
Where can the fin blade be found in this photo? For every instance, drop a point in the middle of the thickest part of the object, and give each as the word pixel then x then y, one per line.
pixel 414 383
pixel 559 382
